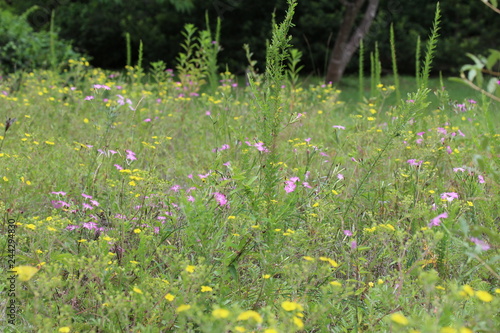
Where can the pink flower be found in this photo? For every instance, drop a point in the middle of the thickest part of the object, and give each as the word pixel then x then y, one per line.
pixel 482 244
pixel 190 198
pixel 290 184
pixel 87 206
pixel 147 120
pixel 86 196
pixel 101 86
pixel 306 184
pixel 442 131
pixel 414 162
pixel 94 202
pixel 175 188
pixel 437 220
pixel 348 232
pixel 339 127
pixel 354 245
pixel 221 198
pixel 449 196
pixel 420 133
pixel 458 169
pixel 59 193
pixel 59 204
pixel 118 167
pixel 340 176
pixel 90 225
pixel 130 155
pixel 480 179
pixel 89 98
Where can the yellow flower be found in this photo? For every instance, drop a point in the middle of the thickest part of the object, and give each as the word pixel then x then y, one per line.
pixel 25 273
pixel 31 226
pixel 291 306
pixel 65 329
pixel 137 231
pixel 308 258
pixel 239 329
pixel 484 296
pixel 169 297
pixel 183 307
pixel 231 217
pixel 465 330
pixel 336 284
pixel 137 290
pixel 190 268
pixel 330 261
pixel 205 289
pixel 220 313
pixel 447 329
pixel 270 330
pixel 399 318
pixel 467 291
pixel 298 322
pixel 250 314
pixel 380 281
pixel 266 276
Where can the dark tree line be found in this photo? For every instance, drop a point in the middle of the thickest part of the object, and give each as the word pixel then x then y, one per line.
pixel 98 28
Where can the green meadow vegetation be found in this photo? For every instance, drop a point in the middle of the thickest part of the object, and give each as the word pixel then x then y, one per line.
pixel 188 200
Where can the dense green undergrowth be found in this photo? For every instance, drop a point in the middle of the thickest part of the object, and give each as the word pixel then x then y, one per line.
pixel 166 205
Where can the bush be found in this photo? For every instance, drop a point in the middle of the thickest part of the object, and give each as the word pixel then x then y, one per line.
pixel 21 48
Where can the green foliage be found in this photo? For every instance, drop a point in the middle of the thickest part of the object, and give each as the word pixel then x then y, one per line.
pixel 431 49
pixel 21 48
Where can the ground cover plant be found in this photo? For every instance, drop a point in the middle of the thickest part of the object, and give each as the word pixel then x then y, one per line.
pixel 180 201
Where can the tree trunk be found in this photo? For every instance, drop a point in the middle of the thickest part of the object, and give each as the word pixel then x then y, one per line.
pixel 347 43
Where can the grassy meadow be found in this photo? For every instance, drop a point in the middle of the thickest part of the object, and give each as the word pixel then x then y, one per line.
pixel 176 202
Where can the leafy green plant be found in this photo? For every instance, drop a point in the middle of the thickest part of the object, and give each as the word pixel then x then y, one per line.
pixel 21 48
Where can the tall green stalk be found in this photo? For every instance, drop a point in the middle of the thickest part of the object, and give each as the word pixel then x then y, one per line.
pixel 394 63
pixel 268 100
pixel 431 48
pixel 361 73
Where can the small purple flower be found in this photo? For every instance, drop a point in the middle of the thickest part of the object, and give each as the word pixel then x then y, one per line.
pixel 437 220
pixel 480 179
pixel 89 98
pixel 94 202
pixel 339 127
pixel 420 133
pixel 57 204
pixel 118 167
pixel 221 198
pixel 340 176
pixel 410 101
pixel 190 198
pixel 306 184
pixel 471 101
pixel 90 225
pixel 175 188
pixel 86 196
pixel 72 227
pixel 87 206
pixel 348 232
pixel 414 162
pixel 442 131
pixel 449 196
pixel 59 193
pixel 354 245
pixel 147 120
pixel 481 243
pixel 458 169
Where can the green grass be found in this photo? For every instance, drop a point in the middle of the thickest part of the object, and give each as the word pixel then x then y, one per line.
pixel 191 237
